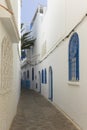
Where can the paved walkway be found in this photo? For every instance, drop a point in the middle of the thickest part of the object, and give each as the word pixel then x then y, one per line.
pixel 36 113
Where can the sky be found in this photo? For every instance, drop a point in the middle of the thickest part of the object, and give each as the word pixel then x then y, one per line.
pixel 28 9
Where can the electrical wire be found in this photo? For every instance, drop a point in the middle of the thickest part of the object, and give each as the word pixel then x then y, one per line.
pixel 67 36
pixel 6 9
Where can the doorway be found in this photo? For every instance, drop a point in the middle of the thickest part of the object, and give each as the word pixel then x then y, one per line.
pixel 50 83
pixel 39 80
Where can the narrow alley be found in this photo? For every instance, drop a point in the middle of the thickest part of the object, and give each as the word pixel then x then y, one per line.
pixel 36 113
pixel 43 51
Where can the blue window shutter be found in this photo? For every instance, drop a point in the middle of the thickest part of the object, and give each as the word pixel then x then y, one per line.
pixel 73 55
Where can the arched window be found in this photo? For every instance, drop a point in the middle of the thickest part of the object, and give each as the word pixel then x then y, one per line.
pixel 42 76
pixel 32 73
pixel 74 58
pixel 45 76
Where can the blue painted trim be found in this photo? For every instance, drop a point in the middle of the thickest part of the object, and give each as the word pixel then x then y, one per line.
pixel 25 84
pixel 74 54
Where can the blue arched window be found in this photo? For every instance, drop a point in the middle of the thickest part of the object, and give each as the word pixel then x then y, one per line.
pixel 32 73
pixel 42 76
pixel 74 58
pixel 45 76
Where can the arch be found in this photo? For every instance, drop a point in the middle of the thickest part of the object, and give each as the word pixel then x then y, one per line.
pixel 74 57
pixel 50 83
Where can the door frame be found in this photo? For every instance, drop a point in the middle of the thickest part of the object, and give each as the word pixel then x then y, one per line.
pixel 39 80
pixel 50 83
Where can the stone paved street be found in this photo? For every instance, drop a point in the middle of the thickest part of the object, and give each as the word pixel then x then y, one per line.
pixel 36 113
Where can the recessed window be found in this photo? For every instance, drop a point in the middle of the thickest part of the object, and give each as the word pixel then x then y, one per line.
pixel 41 10
pixel 74 58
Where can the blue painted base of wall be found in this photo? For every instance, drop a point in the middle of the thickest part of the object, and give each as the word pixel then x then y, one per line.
pixel 25 84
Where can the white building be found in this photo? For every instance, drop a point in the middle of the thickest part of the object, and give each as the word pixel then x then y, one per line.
pixel 57 63
pixel 9 61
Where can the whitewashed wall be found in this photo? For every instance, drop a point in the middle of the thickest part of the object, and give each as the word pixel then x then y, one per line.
pixel 15 7
pixel 9 97
pixel 75 10
pixel 3 3
pixel 59 20
pixel 34 32
pixel 9 77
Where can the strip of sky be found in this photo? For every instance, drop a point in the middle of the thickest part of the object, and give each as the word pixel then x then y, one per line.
pixel 28 9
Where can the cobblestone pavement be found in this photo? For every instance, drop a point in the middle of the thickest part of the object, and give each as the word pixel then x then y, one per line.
pixel 36 113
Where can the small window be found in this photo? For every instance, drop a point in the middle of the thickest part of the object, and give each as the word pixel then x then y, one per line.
pixel 41 10
pixel 74 58
pixel 32 73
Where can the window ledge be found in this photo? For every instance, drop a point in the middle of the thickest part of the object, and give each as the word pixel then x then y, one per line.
pixel 73 83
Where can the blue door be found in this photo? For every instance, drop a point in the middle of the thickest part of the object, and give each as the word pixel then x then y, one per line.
pixel 25 82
